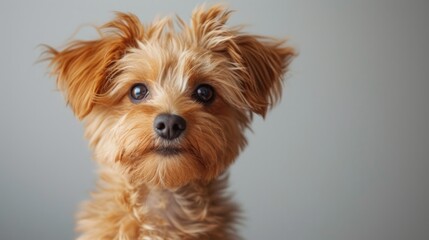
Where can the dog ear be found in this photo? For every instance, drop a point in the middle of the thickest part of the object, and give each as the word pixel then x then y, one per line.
pixel 264 61
pixel 260 62
pixel 83 67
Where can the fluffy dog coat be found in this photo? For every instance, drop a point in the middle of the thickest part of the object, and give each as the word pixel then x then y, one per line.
pixel 211 76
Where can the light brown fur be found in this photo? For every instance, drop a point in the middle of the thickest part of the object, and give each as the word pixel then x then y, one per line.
pixel 142 194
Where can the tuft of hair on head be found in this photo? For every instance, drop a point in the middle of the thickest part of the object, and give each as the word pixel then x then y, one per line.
pixel 82 68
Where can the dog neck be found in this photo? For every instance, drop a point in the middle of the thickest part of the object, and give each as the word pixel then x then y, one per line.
pixel 187 209
pixel 192 210
pixel 189 212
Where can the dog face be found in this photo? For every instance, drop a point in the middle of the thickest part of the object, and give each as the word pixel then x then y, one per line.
pixel 169 104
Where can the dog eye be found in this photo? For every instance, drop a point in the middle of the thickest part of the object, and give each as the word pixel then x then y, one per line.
pixel 204 94
pixel 138 92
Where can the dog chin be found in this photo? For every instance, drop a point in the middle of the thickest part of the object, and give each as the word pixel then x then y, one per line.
pixel 167 168
pixel 169 151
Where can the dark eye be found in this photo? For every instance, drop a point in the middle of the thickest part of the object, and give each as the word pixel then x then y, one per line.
pixel 204 94
pixel 138 92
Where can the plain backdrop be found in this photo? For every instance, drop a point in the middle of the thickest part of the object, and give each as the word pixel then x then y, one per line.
pixel 344 156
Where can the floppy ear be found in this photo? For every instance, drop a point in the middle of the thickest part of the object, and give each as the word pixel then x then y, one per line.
pixel 83 67
pixel 260 62
pixel 264 62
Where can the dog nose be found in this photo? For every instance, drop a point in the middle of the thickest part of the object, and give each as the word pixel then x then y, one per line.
pixel 169 126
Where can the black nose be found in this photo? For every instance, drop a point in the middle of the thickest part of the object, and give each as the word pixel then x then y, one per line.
pixel 169 126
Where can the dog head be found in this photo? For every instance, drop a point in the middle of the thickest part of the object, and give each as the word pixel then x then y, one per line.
pixel 168 103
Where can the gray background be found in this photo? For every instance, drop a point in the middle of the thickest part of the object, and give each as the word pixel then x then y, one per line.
pixel 343 157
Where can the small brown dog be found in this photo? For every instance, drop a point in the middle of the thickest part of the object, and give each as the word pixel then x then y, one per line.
pixel 165 112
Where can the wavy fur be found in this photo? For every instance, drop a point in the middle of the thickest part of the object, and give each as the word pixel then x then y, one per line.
pixel 142 194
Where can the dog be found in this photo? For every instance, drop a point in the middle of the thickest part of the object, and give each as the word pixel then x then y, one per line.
pixel 165 107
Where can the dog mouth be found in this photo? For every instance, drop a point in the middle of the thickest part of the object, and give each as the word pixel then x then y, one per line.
pixel 168 151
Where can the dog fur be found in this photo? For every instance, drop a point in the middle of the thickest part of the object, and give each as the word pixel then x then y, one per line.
pixel 142 192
